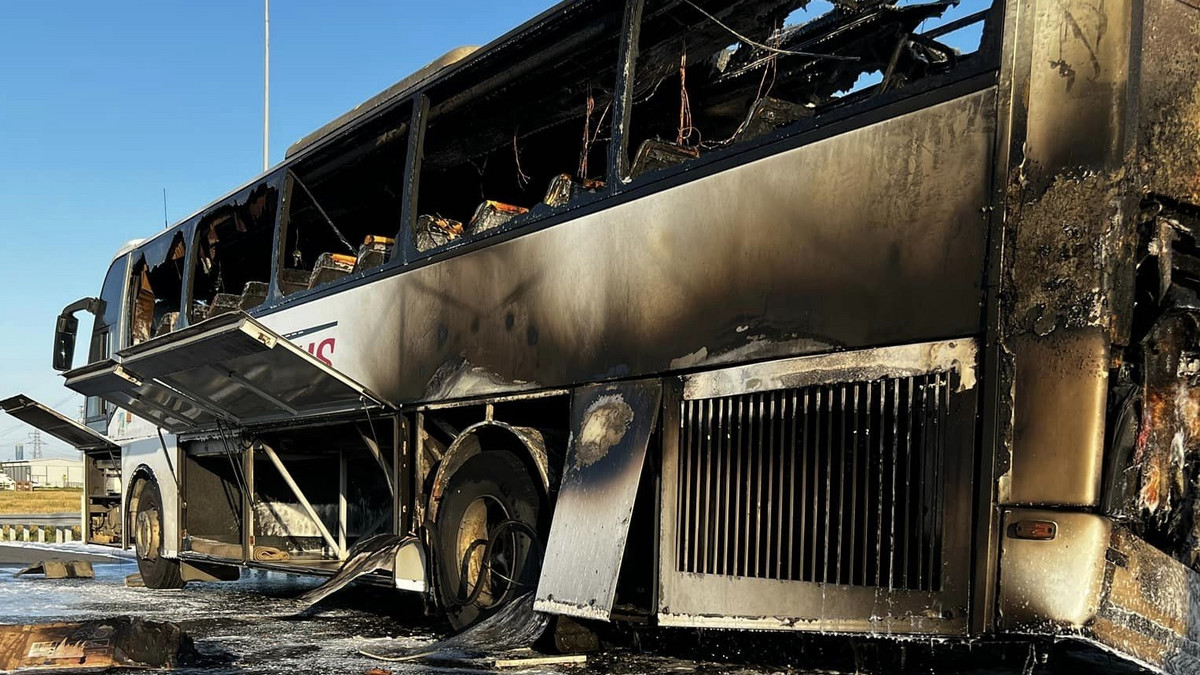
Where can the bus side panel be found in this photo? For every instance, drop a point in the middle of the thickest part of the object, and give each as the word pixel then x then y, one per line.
pixel 1169 110
pixel 1070 219
pixel 872 237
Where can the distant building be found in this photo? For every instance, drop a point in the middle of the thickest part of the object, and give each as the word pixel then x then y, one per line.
pixel 20 452
pixel 51 472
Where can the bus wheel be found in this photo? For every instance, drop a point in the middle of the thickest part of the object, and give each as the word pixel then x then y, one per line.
pixel 156 571
pixel 489 550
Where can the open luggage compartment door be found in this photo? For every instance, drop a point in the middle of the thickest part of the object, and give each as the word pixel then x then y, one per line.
pixel 56 424
pixel 229 368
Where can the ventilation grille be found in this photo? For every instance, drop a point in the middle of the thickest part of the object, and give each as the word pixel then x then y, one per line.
pixel 834 483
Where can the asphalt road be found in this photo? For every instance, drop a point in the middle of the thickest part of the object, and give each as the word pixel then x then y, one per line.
pixel 252 626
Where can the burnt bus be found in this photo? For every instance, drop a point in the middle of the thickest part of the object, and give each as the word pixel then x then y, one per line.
pixel 869 317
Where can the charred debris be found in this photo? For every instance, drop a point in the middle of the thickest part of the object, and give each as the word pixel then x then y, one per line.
pixel 1154 430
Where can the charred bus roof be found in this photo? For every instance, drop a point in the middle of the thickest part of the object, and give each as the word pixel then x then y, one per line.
pixel 392 93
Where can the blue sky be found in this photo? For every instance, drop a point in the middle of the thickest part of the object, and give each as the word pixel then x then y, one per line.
pixel 105 104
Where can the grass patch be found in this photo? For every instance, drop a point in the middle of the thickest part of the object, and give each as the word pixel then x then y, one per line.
pixel 40 501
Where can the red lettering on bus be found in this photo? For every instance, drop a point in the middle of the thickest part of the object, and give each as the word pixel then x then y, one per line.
pixel 326 345
pixel 323 350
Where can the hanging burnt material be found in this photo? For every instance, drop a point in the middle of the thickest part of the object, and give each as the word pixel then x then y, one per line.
pixel 842 45
pixel 1168 441
pixel 742 71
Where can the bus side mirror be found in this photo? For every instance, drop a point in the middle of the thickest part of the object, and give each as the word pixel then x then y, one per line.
pixel 64 341
pixel 65 329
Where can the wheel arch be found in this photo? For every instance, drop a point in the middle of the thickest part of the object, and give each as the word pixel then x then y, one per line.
pixel 474 439
pixel 142 473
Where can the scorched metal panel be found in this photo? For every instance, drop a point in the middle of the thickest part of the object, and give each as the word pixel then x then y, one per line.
pixel 610 430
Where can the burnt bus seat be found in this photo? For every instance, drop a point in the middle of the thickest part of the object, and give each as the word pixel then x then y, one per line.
pixel 254 294
pixel 292 280
pixel 167 323
pixel 330 267
pixel 768 114
pixel 224 302
pixel 434 231
pixel 373 252
pixel 199 311
pixel 563 189
pixel 490 215
pixel 657 154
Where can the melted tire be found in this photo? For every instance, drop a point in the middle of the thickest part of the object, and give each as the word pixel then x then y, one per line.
pixel 499 478
pixel 159 572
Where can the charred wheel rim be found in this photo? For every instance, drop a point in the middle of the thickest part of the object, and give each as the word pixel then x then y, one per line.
pixel 488 551
pixel 487 536
pixel 147 533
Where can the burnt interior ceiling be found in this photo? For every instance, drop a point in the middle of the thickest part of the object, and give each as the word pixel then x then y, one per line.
pixel 728 69
pixel 503 128
pixel 502 132
pixel 526 94
pixel 358 183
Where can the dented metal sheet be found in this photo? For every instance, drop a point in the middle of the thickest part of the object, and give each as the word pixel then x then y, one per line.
pixel 611 427
pixel 377 554
pixel 1097 582
pixel 1151 607
pixel 865 364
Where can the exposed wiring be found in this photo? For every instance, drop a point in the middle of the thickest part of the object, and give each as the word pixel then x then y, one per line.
pixel 324 215
pixel 590 137
pixel 501 527
pixel 686 127
pixel 774 50
pixel 522 178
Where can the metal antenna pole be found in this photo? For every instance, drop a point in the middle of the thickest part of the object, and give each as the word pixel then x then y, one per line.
pixel 266 81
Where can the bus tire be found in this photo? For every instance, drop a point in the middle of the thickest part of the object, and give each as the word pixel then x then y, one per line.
pixel 491 498
pixel 156 571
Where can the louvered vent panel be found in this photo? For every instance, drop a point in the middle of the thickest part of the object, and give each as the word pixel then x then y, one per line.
pixel 834 483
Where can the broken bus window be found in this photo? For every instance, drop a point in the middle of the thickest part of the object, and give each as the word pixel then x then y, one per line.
pixel 343 204
pixel 516 135
pixel 157 288
pixel 711 75
pixel 233 247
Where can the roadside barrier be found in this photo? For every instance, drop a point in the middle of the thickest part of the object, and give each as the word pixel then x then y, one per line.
pixel 40 533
